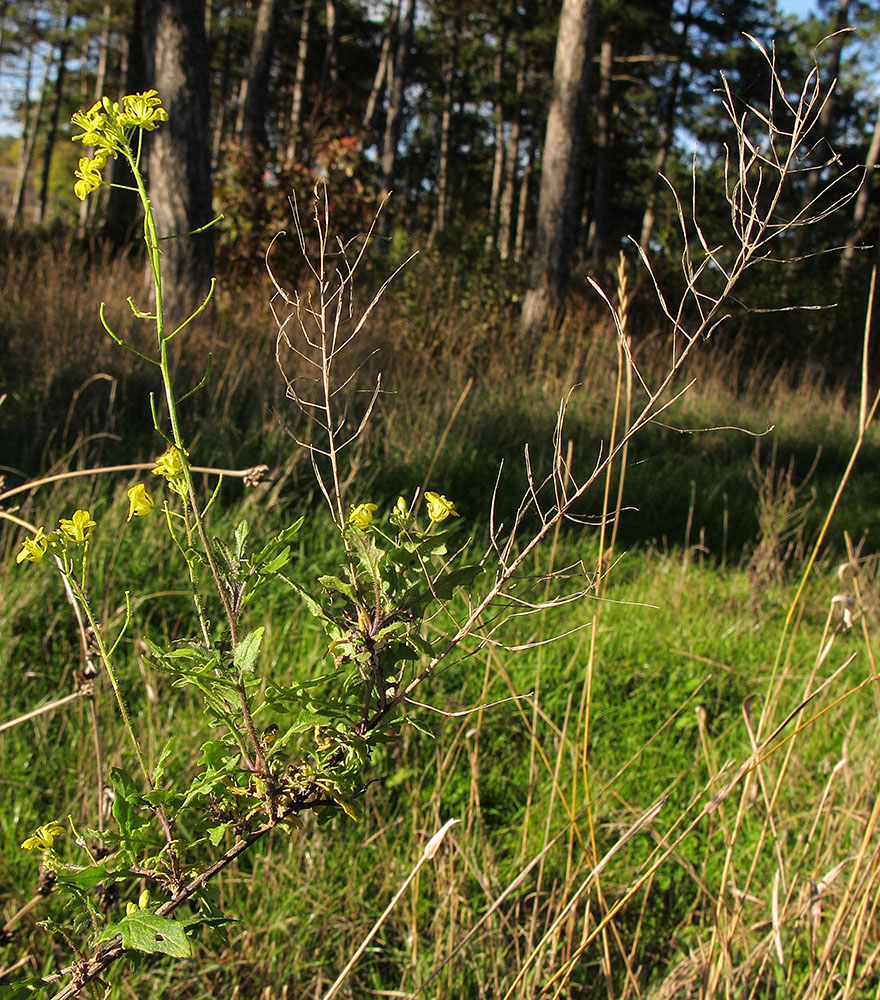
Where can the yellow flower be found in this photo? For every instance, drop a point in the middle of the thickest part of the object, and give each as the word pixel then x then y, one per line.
pixel 361 515
pixel 140 503
pixel 92 122
pixel 400 507
pixel 169 465
pixel 89 174
pixel 79 527
pixel 42 839
pixel 33 549
pixel 439 508
pixel 142 110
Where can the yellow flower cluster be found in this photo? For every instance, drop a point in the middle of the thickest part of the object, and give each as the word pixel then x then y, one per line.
pixel 439 508
pixel 140 503
pixel 76 529
pixel 170 464
pixel 43 838
pixel 361 515
pixel 108 126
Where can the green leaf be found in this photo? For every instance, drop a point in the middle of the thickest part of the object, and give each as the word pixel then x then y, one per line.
pixel 247 651
pixel 276 562
pixel 22 988
pixel 224 550
pixel 159 769
pixel 271 547
pixel 148 932
pixel 126 798
pixel 334 583
pixel 88 878
pixel 217 833
pixel 368 552
pixel 241 533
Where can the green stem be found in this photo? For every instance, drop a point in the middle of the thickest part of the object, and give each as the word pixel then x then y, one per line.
pixel 151 239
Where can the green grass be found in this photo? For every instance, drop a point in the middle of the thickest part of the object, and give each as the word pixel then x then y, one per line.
pixel 686 649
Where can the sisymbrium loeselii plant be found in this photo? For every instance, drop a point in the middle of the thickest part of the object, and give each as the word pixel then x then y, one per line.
pixel 171 834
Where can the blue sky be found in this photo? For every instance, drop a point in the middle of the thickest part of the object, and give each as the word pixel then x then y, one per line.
pixel 799 7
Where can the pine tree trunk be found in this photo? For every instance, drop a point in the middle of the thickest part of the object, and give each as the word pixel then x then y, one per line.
pixel 330 69
pixel 498 159
pixel 176 64
pixel 222 114
pixel 122 223
pixel 250 127
pixel 383 70
pixel 519 247
pixel 88 205
pixel 394 118
pixel 668 130
pixel 449 67
pixel 598 241
pixel 30 129
pixel 559 199
pixel 863 198
pixel 822 151
pixel 511 161
pixel 52 130
pixel 299 82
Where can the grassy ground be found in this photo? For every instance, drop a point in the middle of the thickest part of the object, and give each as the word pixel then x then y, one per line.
pixel 630 827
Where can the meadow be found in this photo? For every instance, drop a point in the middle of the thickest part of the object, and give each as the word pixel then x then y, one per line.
pixel 673 799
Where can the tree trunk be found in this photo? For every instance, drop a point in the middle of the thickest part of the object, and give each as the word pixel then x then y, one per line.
pixel 519 247
pixel 122 209
pixel 863 198
pixel 599 227
pixel 31 127
pixel 330 69
pixel 175 58
pixel 668 130
pixel 383 70
pixel 558 207
pixel 394 119
pixel 299 83
pixel 498 159
pixel 250 127
pixel 88 205
pixel 822 150
pixel 449 67
pixel 511 162
pixel 52 130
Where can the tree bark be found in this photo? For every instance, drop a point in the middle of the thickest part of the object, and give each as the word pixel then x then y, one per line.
pixel 558 207
pixel 175 58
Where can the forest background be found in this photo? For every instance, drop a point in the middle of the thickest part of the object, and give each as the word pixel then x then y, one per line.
pixel 446 106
